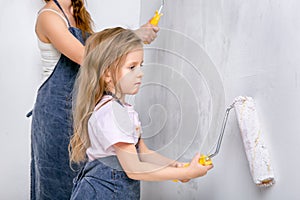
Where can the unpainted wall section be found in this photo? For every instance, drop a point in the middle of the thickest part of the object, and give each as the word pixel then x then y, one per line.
pixel 254 47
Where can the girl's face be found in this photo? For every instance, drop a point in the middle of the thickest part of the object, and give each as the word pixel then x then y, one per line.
pixel 130 75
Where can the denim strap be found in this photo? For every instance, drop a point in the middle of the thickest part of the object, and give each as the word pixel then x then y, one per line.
pixel 58 5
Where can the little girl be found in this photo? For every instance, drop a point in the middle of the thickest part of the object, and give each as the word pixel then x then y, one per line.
pixel 107 131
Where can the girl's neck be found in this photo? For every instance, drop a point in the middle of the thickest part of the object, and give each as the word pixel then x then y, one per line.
pixel 116 96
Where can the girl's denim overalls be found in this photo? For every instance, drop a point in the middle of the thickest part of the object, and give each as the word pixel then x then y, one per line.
pixel 104 179
pixel 51 176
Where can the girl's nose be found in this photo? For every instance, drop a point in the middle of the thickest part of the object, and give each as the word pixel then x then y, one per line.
pixel 140 72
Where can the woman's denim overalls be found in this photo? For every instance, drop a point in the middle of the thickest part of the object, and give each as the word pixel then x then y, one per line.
pixel 51 176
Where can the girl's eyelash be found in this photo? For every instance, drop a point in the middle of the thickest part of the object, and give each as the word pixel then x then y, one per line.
pixel 134 66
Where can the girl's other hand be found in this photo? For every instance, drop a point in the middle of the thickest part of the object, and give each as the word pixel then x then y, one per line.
pixel 179 165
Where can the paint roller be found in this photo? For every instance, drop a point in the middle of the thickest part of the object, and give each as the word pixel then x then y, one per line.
pixel 155 19
pixel 255 147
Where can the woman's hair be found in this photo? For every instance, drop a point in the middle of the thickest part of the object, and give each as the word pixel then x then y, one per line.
pixel 105 52
pixel 82 17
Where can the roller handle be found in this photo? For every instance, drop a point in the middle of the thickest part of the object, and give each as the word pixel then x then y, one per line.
pixel 204 160
pixel 155 19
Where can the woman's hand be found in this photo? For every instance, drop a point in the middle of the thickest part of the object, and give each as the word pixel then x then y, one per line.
pixel 147 32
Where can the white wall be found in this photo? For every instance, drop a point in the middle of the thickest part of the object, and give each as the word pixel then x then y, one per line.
pixel 21 75
pixel 18 83
pixel 254 45
pixel 115 13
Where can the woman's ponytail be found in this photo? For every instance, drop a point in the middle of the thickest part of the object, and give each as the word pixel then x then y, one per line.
pixel 82 16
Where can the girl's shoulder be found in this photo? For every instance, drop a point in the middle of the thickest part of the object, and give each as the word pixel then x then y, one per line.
pixel 104 104
pixel 110 109
pixel 106 108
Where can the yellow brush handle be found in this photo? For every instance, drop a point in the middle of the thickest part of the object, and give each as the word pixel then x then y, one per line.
pixel 155 19
pixel 204 160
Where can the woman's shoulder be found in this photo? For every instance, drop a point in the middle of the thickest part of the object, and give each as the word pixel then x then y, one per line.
pixel 51 14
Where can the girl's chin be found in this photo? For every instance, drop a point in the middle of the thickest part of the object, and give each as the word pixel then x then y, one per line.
pixel 133 92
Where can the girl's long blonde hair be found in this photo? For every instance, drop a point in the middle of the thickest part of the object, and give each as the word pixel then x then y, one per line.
pixel 105 52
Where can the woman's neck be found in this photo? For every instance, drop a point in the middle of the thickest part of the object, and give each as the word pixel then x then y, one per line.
pixel 66 5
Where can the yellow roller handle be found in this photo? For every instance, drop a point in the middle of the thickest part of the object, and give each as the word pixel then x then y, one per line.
pixel 155 19
pixel 204 160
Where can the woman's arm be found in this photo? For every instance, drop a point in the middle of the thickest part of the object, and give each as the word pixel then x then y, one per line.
pixel 138 170
pixel 51 28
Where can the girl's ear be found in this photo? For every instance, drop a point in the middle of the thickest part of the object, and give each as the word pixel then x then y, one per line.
pixel 107 77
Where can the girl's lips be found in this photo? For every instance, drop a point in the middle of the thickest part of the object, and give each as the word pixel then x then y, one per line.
pixel 138 83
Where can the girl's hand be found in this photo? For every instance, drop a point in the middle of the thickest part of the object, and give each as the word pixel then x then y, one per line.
pixel 179 165
pixel 147 32
pixel 195 169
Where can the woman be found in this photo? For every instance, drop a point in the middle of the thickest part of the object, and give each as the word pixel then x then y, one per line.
pixel 62 27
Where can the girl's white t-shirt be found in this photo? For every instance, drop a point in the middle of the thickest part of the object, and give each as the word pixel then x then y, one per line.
pixel 109 124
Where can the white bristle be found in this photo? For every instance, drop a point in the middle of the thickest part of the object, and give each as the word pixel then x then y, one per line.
pixel 255 148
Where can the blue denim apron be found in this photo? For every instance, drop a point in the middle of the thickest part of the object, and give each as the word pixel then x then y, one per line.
pixel 104 179
pixel 51 128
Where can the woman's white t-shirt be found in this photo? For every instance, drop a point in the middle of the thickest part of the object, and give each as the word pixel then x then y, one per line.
pixel 109 124
pixel 49 54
